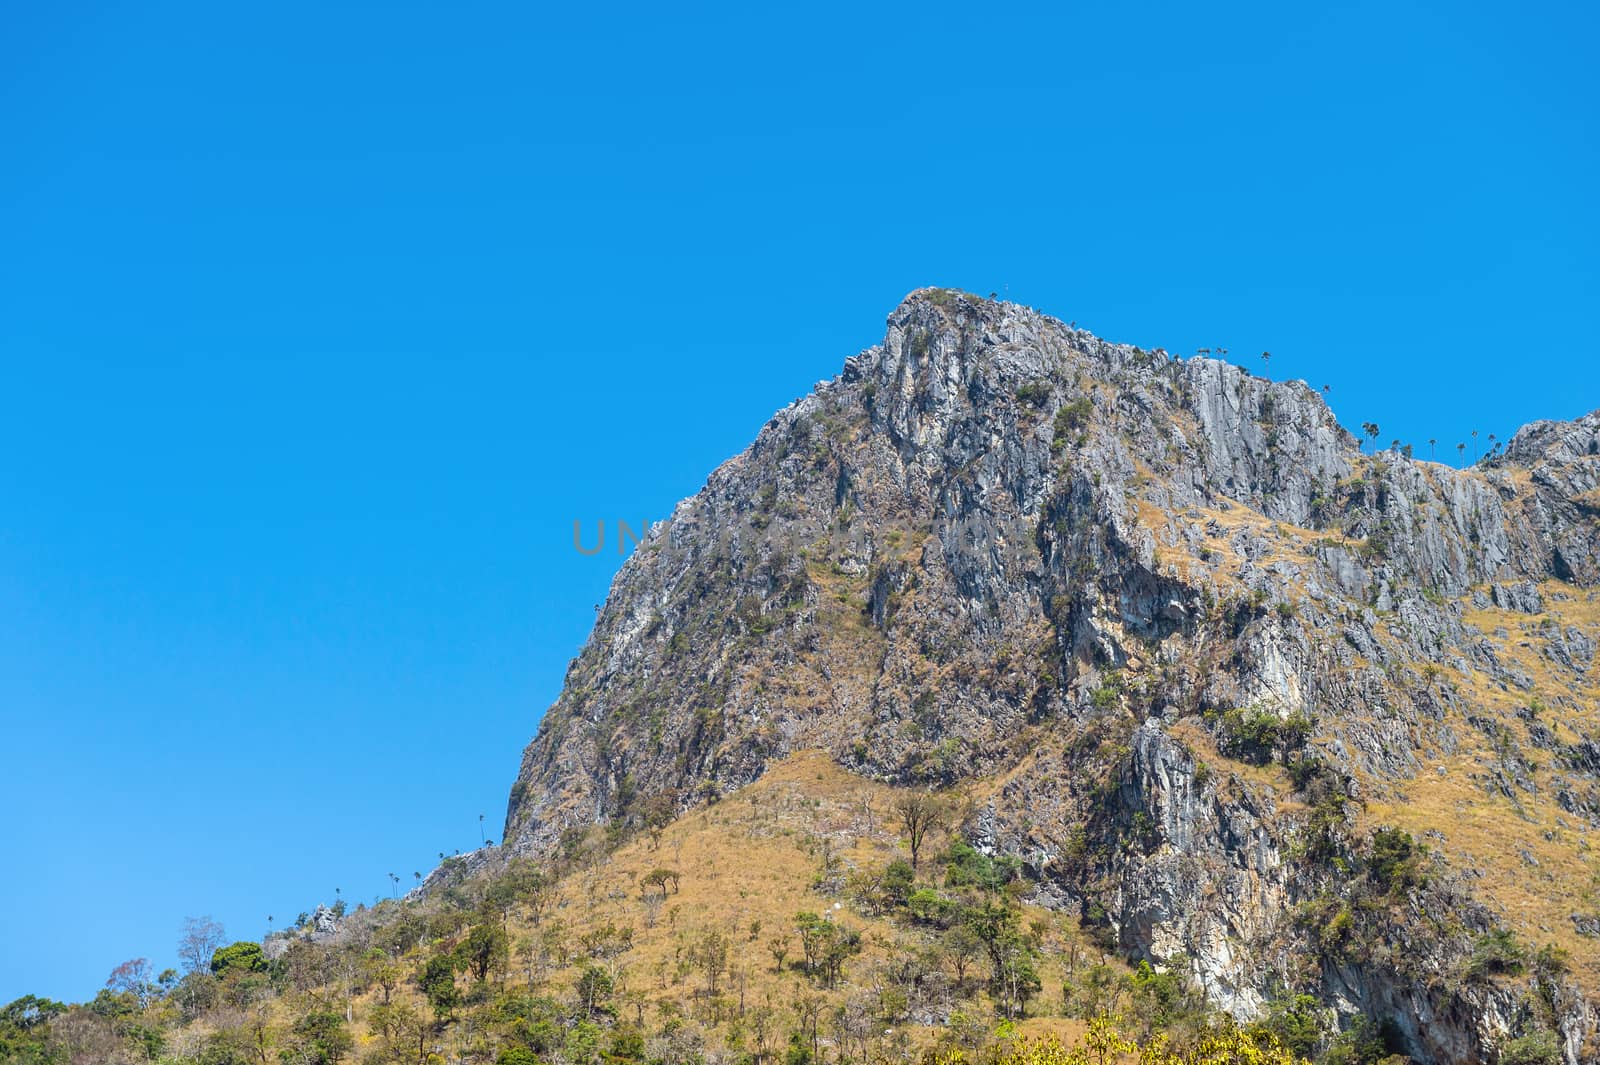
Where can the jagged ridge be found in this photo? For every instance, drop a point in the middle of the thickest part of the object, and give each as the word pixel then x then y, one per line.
pixel 997 550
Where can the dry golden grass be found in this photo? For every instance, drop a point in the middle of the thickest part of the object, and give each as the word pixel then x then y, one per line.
pixel 1483 829
pixel 1476 827
pixel 1285 543
pixel 749 861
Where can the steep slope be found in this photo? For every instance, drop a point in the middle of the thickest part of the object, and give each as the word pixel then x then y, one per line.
pixel 1193 646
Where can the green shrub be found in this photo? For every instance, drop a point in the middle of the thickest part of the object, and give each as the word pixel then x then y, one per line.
pixel 1394 862
pixel 1535 1048
pixel 1296 1022
pixel 929 907
pixel 965 866
pixel 516 1056
pixel 897 882
pixel 321 1038
pixel 1035 394
pixel 1254 734
pixel 1496 953
pixel 1071 420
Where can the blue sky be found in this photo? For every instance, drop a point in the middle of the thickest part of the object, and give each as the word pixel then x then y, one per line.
pixel 320 324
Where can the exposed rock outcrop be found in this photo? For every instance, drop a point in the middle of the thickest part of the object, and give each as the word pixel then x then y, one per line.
pixel 1186 642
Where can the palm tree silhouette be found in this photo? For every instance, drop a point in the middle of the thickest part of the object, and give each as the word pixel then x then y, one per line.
pixel 1431 442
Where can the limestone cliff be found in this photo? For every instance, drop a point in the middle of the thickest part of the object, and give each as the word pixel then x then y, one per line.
pixel 1187 647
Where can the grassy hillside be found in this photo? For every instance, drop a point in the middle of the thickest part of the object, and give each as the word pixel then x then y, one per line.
pixel 593 959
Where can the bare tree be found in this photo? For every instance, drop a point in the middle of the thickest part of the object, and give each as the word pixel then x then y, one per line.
pixel 134 977
pixel 920 812
pixel 808 1009
pixel 198 939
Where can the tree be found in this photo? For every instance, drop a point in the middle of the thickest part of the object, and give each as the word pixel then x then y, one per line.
pixel 897 882
pixel 383 971
pixel 1431 442
pixel 710 955
pixel 808 1009
pixel 919 812
pixel 1019 979
pixel 408 1029
pixel 1296 1022
pixel 486 948
pixel 582 1046
pixel 1372 431
pixel 994 923
pixel 778 947
pixel 962 947
pixel 655 813
pixel 438 984
pixel 322 1038
pixel 660 878
pixel 594 988
pixel 198 940
pixel 135 978
pixel 241 957
pixel 826 946
pixel 812 929
pixel 1461 450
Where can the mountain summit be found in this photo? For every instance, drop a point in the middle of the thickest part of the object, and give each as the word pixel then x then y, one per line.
pixel 1257 703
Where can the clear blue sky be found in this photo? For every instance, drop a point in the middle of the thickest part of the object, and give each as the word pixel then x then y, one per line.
pixel 320 324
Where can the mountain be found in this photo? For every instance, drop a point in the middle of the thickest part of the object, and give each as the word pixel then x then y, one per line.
pixel 1260 706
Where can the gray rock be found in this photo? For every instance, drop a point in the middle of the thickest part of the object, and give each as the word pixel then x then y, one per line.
pixel 991 527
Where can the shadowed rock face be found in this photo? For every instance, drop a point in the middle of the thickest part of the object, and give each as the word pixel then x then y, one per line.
pixel 1116 596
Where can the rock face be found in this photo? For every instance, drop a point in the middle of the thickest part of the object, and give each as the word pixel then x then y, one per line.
pixel 1188 646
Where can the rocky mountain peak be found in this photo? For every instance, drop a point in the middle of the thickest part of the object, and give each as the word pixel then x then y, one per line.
pixel 1554 441
pixel 1182 644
